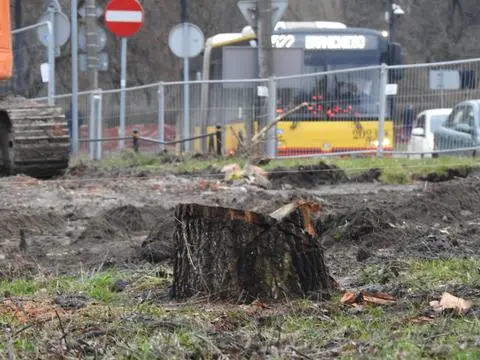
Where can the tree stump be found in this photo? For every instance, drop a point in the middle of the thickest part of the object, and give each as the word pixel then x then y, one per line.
pixel 240 255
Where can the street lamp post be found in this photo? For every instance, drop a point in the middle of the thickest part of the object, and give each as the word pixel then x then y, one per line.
pixel 391 21
pixel 394 10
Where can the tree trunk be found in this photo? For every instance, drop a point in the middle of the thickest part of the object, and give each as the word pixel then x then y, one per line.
pixel 241 255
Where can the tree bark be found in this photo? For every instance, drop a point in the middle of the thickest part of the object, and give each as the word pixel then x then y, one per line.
pixel 241 255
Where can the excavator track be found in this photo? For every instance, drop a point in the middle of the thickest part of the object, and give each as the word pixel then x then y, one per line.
pixel 34 138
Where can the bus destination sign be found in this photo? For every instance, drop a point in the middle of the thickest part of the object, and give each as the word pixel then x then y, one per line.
pixel 325 42
pixel 335 42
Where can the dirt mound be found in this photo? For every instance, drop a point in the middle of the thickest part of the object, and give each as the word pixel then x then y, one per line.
pixel 84 170
pixel 126 217
pixel 439 222
pixel 363 225
pixel 369 175
pixel 12 221
pixel 450 174
pixel 443 201
pixel 432 246
pixel 158 246
pixel 151 215
pixel 120 223
pixel 101 231
pixel 307 176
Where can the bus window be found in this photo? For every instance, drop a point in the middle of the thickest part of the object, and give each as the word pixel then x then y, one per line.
pixel 358 89
pixel 336 94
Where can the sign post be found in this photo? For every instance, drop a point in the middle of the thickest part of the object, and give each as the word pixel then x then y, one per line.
pixel 250 12
pixel 263 15
pixel 82 43
pixel 186 40
pixel 74 102
pixel 123 18
pixel 53 39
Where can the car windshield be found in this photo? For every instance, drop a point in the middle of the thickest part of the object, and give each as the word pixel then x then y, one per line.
pixel 437 121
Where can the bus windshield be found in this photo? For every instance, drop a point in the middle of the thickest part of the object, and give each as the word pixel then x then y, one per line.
pixel 335 94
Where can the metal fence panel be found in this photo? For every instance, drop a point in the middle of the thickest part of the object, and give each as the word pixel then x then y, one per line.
pixel 339 114
pixel 328 113
pixel 436 86
pixel 238 108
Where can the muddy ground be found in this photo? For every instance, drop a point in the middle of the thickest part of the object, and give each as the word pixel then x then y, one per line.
pixel 83 221
pixel 91 220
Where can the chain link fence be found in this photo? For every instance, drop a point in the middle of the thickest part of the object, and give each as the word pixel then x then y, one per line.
pixel 339 114
pixel 424 100
pixel 378 110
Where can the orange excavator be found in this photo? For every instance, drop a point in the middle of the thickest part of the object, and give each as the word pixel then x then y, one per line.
pixel 34 137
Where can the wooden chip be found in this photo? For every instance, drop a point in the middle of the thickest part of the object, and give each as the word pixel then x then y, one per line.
pixel 348 298
pixel 420 320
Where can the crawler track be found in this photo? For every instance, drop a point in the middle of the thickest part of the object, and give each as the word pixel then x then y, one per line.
pixel 34 138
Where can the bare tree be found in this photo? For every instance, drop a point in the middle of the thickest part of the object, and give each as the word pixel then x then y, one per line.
pixel 446 29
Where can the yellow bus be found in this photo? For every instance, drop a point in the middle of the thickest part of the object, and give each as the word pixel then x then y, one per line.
pixel 312 62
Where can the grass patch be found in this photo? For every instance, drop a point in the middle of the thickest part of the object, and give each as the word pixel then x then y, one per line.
pixel 122 326
pixel 19 287
pixel 96 286
pixel 433 273
pixel 426 275
pixel 394 170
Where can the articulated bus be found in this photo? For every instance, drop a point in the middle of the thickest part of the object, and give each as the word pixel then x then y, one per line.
pixel 342 111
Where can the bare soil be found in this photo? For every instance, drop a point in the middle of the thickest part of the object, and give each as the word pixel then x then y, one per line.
pixel 91 222
pixel 81 221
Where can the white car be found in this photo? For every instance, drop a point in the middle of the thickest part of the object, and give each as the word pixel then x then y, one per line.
pixel 421 139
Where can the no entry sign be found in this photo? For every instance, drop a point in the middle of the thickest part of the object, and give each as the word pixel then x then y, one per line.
pixel 124 17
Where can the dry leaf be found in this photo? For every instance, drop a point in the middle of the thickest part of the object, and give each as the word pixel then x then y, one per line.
pixel 448 301
pixel 230 168
pixel 252 169
pixel 435 304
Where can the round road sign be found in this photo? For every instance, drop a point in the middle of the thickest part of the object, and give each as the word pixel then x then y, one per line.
pixel 62 29
pixel 186 40
pixel 124 18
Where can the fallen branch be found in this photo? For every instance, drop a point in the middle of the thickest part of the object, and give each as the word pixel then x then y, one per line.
pixel 240 141
pixel 10 351
pixel 64 334
pixel 262 132
pixel 241 144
